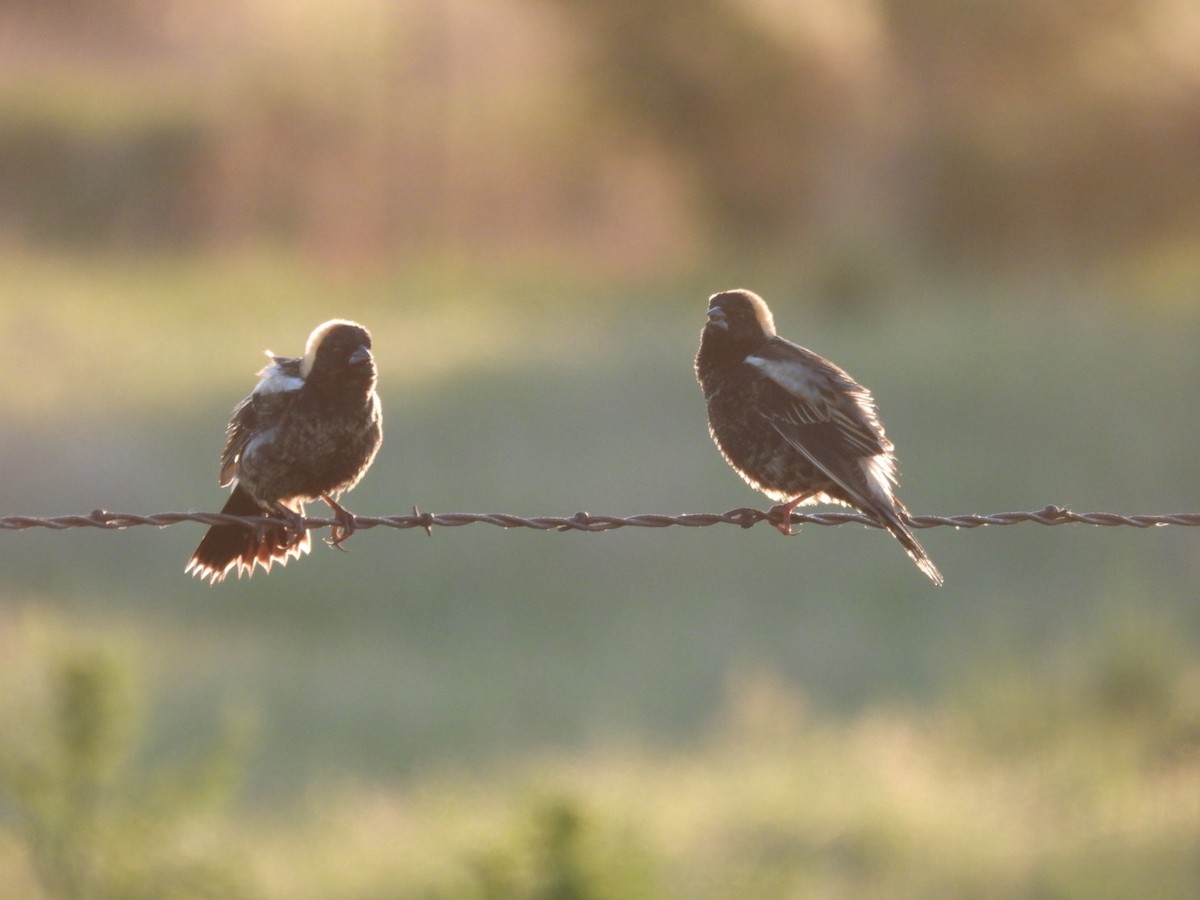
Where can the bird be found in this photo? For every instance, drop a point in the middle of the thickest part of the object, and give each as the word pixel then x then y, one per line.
pixel 794 425
pixel 309 430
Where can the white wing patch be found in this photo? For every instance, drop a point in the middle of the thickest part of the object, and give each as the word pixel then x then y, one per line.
pixel 273 380
pixel 793 378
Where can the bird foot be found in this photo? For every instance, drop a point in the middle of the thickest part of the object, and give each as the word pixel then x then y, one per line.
pixel 345 526
pixel 781 516
pixel 294 523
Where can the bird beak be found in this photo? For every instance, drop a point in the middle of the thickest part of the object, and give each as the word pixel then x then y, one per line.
pixel 361 355
pixel 716 318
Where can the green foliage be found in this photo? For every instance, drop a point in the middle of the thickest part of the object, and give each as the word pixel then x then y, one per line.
pixel 724 91
pixel 781 800
pixel 94 823
pixel 1131 682
pixel 563 852
pixel 621 135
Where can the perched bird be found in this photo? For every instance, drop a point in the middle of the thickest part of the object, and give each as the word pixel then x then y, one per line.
pixel 308 431
pixel 794 425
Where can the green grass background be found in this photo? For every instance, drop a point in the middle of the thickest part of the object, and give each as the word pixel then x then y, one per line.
pixel 677 712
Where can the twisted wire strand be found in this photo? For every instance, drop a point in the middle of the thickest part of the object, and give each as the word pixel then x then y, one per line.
pixel 743 517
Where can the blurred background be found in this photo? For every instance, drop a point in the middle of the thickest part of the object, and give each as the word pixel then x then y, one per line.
pixel 989 213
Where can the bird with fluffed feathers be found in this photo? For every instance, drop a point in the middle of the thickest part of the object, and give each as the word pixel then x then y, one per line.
pixel 309 430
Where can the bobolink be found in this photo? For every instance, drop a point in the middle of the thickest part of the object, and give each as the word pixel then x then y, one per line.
pixel 308 431
pixel 794 425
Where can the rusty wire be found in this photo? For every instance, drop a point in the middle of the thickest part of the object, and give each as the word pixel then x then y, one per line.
pixel 743 517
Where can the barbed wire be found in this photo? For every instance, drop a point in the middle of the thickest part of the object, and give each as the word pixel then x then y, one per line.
pixel 743 517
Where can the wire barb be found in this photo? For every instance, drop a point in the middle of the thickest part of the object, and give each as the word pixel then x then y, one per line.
pixel 743 517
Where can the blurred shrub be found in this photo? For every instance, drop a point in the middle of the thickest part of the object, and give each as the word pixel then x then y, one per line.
pixel 562 852
pixel 720 89
pixel 93 823
pixel 1132 683
pixel 1019 134
pixel 67 186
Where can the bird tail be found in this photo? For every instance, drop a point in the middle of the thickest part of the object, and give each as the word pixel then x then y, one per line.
pixel 227 546
pixel 893 522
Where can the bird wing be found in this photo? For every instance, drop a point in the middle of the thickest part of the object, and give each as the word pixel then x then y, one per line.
pixel 824 414
pixel 277 388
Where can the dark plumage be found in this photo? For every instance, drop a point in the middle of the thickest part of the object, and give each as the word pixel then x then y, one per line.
pixel 308 431
pixel 793 424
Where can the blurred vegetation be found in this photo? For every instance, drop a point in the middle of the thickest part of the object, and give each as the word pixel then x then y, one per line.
pixel 615 135
pixel 1055 780
pixel 81 816
pixel 1042 781
pixel 988 212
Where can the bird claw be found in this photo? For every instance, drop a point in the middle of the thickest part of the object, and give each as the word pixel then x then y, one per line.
pixel 784 525
pixel 780 517
pixel 293 523
pixel 339 533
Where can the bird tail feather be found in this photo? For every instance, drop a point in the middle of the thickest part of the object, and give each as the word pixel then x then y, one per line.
pixel 894 523
pixel 227 546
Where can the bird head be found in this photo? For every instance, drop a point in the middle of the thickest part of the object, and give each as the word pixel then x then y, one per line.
pixel 739 318
pixel 339 349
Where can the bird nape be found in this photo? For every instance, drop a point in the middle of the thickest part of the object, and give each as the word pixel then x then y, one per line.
pixel 794 425
pixel 309 430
